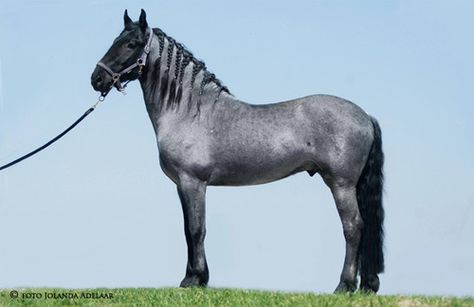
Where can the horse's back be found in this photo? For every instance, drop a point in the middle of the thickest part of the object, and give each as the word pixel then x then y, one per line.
pixel 319 111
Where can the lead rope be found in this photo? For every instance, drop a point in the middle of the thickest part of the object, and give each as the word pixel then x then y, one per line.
pixel 89 111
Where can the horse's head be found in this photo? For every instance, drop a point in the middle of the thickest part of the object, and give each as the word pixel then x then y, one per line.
pixel 126 57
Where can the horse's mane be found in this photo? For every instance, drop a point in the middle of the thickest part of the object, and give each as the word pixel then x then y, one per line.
pixel 183 58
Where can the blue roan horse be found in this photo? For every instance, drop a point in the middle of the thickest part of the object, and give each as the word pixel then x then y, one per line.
pixel 207 137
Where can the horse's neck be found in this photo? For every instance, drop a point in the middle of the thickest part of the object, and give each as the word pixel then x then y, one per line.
pixel 195 101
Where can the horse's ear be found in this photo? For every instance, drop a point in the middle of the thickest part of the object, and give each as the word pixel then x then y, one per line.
pixel 127 22
pixel 142 21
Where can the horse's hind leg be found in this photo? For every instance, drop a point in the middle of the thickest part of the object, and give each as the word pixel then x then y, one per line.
pixel 192 194
pixel 346 203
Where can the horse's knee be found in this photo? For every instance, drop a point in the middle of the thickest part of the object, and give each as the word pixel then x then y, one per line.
pixel 197 233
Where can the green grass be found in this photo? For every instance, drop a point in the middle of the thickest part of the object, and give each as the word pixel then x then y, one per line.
pixel 213 297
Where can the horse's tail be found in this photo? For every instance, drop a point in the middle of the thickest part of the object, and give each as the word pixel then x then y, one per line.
pixel 369 198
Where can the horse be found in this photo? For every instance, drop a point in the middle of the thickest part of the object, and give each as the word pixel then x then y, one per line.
pixel 207 137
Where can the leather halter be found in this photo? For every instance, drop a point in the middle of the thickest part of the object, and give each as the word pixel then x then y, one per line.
pixel 141 61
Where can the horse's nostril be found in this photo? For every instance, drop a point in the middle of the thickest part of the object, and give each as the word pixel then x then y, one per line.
pixel 96 81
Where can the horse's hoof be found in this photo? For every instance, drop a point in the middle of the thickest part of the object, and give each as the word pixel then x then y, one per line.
pixel 192 281
pixel 370 284
pixel 345 287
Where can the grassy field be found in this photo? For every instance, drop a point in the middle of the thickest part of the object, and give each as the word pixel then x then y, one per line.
pixel 209 297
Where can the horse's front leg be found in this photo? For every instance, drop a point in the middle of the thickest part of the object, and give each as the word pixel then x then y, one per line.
pixel 192 193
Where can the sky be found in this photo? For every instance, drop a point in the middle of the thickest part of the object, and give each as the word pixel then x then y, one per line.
pixel 95 209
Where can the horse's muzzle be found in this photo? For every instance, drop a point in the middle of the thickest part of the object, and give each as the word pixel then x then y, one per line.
pixel 100 81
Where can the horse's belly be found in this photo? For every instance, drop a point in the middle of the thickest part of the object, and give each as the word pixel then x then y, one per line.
pixel 259 170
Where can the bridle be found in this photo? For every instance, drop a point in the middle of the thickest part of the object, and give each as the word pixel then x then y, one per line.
pixel 140 63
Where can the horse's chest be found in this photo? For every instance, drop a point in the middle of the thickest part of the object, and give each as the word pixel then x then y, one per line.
pixel 183 153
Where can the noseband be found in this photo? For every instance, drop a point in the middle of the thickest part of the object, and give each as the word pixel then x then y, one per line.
pixel 140 63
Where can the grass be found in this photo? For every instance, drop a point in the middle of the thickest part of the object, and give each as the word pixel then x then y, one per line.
pixel 210 297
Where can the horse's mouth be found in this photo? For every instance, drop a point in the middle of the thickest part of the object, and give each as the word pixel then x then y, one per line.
pixel 104 90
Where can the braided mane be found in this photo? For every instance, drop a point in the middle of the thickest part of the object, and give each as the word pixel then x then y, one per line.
pixel 183 58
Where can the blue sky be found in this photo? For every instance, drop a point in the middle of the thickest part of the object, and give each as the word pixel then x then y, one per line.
pixel 96 210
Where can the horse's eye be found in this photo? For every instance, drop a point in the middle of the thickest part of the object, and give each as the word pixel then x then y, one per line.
pixel 132 45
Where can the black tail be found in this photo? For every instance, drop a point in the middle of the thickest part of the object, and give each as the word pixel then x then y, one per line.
pixel 369 198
